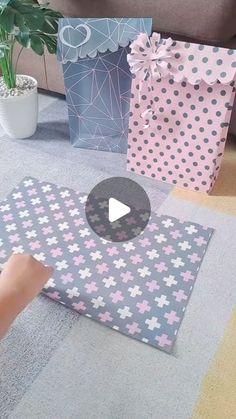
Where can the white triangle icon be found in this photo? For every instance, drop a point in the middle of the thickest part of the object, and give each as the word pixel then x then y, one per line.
pixel 117 210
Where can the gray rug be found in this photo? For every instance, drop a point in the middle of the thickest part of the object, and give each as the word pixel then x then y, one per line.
pixel 48 155
pixel 35 335
pixel 57 365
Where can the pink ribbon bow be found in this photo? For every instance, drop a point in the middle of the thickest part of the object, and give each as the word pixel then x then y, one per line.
pixel 149 57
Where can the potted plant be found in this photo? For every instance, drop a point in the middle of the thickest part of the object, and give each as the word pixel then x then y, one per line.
pixel 35 26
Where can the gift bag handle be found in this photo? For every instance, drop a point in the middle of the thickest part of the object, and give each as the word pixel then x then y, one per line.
pixel 86 39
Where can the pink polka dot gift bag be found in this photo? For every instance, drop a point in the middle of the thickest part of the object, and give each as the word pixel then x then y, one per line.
pixel 182 97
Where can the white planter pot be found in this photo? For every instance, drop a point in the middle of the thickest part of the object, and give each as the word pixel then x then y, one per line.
pixel 19 114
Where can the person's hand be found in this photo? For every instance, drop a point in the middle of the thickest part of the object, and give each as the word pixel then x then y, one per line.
pixel 24 274
pixel 22 278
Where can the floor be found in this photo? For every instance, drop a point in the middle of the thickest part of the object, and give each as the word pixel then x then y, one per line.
pixel 58 365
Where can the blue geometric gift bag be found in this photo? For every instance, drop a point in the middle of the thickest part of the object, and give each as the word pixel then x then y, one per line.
pixel 97 78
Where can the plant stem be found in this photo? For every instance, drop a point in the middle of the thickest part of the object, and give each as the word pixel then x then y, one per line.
pixel 18 57
pixel 6 63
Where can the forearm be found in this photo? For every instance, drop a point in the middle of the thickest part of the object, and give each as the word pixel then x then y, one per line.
pixel 11 304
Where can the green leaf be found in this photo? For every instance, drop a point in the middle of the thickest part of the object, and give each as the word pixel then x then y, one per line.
pixel 51 43
pixel 3 49
pixel 50 26
pixel 36 44
pixel 24 39
pixel 7 19
pixel 3 4
pixel 31 24
pixel 33 15
pixel 32 2
pixel 19 22
pixel 51 17
pixel 52 13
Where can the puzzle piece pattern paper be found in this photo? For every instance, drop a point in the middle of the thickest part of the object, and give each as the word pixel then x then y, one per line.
pixel 140 288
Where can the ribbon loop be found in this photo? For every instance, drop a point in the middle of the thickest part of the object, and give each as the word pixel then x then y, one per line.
pixel 149 57
pixel 147 115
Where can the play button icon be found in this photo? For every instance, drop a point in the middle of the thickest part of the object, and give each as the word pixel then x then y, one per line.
pixel 118 209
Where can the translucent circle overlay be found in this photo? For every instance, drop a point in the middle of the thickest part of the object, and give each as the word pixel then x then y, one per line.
pixel 129 193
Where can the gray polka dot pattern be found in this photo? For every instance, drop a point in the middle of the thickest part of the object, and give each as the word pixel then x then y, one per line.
pixel 198 63
pixel 183 140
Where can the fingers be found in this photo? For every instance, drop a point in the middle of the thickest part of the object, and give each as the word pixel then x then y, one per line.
pixel 47 269
pixel 45 272
pixel 24 267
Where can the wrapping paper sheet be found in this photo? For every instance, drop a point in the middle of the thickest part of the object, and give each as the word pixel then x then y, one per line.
pixel 140 287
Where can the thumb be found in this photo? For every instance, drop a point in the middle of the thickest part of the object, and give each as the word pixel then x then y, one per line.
pixel 50 271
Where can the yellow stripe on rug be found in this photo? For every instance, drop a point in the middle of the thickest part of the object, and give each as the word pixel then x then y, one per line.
pixel 223 196
pixel 218 393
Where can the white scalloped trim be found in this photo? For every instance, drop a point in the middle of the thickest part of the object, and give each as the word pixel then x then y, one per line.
pixel 112 44
pixel 203 63
pixel 210 81
pixel 95 52
pixel 194 63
